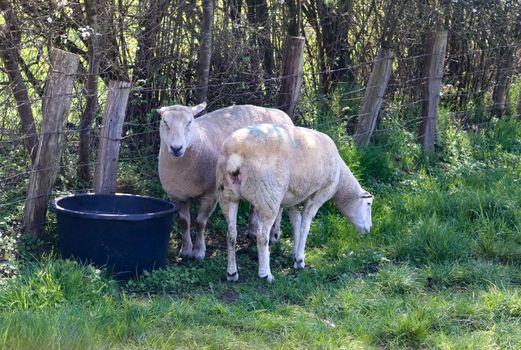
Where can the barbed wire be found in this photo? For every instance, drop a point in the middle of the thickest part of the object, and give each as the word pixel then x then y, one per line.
pixel 226 89
pixel 282 77
pixel 399 84
pixel 320 125
pixel 20 200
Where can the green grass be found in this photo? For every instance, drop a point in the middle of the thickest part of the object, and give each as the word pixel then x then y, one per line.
pixel 440 269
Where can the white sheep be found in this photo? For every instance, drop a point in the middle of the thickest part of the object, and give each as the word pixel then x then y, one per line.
pixel 273 166
pixel 188 157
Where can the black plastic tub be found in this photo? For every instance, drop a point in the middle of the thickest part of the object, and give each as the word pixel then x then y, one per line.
pixel 124 233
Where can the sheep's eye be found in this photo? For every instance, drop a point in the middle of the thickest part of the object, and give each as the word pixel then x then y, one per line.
pixel 165 124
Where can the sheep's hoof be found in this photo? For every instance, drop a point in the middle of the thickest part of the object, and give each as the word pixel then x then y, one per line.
pixel 299 264
pixel 198 254
pixel 186 251
pixel 232 277
pixel 185 255
pixel 269 277
pixel 252 238
pixel 274 238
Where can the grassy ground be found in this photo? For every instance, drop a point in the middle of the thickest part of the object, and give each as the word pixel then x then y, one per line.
pixel 441 269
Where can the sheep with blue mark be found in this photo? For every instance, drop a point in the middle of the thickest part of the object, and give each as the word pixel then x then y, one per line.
pixel 273 166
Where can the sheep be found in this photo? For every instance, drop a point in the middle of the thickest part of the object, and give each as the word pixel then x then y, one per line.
pixel 273 166
pixel 188 157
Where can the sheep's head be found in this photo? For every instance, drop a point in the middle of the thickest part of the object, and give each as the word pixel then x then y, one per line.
pixel 176 129
pixel 358 211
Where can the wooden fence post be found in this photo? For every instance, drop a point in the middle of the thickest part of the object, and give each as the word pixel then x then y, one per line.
pixel 108 152
pixel 292 73
pixel 432 76
pixel 373 98
pixel 55 108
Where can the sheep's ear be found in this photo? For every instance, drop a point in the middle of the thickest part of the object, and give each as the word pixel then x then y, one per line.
pixel 199 108
pixel 161 110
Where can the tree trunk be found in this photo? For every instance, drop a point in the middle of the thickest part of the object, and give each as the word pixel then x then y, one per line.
pixel 143 74
pixel 503 74
pixel 294 21
pixel 432 75
pixel 111 68
pixel 55 108
pixel 265 43
pixel 311 13
pixel 373 98
pixel 9 46
pixel 205 51
pixel 91 87
pixel 334 30
pixel 235 12
pixel 258 17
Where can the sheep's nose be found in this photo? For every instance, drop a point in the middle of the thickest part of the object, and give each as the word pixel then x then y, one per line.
pixel 176 150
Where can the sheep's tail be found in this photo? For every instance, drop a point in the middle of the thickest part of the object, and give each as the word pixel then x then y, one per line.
pixel 234 172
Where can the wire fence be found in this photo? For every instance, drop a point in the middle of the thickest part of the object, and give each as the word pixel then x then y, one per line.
pixel 140 139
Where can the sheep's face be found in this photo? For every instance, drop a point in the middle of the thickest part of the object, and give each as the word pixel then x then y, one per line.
pixel 176 128
pixel 359 212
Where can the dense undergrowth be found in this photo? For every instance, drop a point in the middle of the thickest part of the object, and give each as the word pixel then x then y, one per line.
pixel 440 269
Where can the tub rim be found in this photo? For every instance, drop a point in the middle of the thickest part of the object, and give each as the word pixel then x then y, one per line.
pixel 58 209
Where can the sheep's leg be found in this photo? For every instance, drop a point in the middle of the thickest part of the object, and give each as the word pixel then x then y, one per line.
pixel 254 225
pixel 295 218
pixel 275 232
pixel 309 212
pixel 206 208
pixel 229 210
pixel 266 222
pixel 253 222
pixel 184 222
